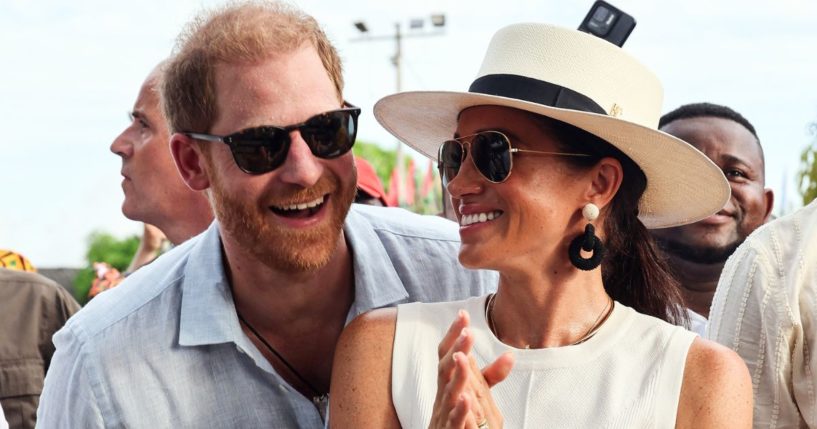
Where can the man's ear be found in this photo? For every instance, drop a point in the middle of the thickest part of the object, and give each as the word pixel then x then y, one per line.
pixel 606 176
pixel 768 198
pixel 190 161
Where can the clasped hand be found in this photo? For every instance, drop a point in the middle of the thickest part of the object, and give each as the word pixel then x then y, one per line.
pixel 464 398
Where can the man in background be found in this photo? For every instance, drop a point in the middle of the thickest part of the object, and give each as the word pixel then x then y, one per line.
pixel 369 187
pixel 154 192
pixel 698 251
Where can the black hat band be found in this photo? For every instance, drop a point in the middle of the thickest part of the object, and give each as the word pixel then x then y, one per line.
pixel 535 91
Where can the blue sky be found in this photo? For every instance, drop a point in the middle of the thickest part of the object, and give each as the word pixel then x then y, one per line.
pixel 71 71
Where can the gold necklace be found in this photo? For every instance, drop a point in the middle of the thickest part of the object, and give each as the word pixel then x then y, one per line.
pixel 602 317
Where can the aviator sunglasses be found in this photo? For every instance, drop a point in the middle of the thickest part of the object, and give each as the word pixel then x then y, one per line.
pixel 259 150
pixel 491 153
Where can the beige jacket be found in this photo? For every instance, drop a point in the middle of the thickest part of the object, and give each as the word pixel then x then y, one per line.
pixel 32 309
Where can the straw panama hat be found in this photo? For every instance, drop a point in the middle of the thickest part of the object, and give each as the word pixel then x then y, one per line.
pixel 584 81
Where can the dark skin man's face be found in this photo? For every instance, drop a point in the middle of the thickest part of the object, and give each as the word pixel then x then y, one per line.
pixel 736 151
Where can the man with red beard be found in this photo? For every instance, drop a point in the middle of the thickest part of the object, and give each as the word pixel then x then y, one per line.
pixel 237 327
pixel 697 252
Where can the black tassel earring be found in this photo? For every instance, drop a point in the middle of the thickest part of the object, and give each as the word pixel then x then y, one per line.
pixel 587 242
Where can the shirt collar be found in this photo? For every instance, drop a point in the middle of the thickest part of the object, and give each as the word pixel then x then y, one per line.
pixel 207 309
pixel 377 283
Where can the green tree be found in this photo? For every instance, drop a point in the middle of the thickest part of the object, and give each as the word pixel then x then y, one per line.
pixel 807 176
pixel 103 247
pixel 383 160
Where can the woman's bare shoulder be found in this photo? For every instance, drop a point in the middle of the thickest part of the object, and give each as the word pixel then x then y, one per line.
pixel 372 326
pixel 367 341
pixel 717 390
pixel 361 374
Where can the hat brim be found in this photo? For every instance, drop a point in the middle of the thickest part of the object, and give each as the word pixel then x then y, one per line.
pixel 683 185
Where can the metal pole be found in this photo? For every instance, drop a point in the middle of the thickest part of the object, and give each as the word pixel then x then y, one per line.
pixel 401 170
pixel 397 61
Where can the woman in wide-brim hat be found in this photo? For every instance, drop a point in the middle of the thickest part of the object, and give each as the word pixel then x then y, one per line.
pixel 555 170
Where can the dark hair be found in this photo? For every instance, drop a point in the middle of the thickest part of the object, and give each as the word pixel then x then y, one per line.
pixel 703 110
pixel 635 273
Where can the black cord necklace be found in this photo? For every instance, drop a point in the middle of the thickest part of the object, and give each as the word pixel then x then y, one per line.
pixel 320 400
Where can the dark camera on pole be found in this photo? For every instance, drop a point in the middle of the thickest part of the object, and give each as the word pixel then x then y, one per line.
pixel 608 22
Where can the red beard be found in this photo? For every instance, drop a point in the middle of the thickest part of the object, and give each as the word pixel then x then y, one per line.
pixel 277 246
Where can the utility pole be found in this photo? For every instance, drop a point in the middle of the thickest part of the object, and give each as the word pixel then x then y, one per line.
pixel 401 167
pixel 437 21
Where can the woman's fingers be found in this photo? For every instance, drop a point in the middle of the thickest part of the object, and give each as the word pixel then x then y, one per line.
pixel 483 406
pixel 474 386
pixel 445 368
pixel 462 344
pixel 457 396
pixel 471 419
pixel 459 380
pixel 463 320
pixel 494 372
pixel 458 417
pixel 463 390
pixel 499 369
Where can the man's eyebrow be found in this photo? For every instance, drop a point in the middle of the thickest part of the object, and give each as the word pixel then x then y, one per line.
pixel 733 159
pixel 137 114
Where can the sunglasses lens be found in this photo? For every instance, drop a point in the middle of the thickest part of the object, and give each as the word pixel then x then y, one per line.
pixel 331 134
pixel 263 149
pixel 259 150
pixel 450 159
pixel 491 152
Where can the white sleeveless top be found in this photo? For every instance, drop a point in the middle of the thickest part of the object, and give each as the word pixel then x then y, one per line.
pixel 628 375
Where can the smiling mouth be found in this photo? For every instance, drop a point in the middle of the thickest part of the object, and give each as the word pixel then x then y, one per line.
pixel 300 210
pixel 473 218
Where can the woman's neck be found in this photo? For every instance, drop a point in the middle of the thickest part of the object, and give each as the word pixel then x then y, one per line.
pixel 548 308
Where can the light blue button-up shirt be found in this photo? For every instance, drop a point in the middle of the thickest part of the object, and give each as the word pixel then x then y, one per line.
pixel 165 348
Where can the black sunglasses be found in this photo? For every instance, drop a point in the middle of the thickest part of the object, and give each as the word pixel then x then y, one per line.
pixel 262 149
pixel 491 153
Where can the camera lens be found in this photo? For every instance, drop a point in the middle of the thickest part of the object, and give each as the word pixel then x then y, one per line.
pixel 601 21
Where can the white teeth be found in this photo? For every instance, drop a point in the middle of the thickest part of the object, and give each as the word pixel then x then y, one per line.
pixel 302 206
pixel 469 219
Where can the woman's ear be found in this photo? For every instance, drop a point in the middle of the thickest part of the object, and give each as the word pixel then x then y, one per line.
pixel 607 176
pixel 190 161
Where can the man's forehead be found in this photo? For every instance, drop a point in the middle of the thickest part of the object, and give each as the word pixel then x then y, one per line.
pixel 715 133
pixel 148 97
pixel 280 90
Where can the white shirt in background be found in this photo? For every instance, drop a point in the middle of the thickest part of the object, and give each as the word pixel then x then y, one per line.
pixel 765 309
pixel 3 423
pixel 697 323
